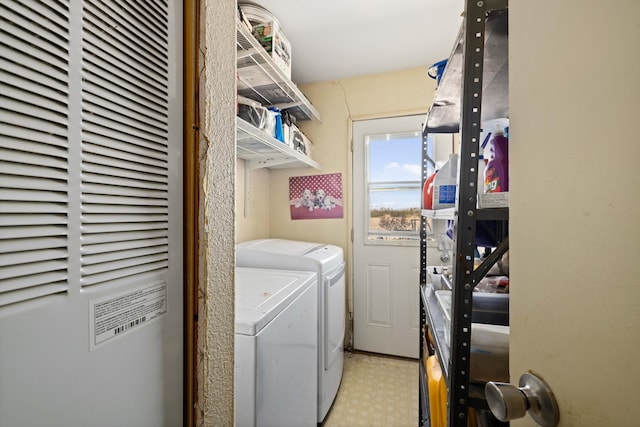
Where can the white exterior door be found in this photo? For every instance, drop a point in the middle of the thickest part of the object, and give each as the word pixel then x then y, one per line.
pixel 386 222
pixel 90 213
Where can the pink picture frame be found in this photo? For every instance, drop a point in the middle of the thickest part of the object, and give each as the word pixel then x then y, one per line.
pixel 316 196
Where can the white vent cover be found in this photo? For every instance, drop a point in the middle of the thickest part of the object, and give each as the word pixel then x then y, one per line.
pixel 83 158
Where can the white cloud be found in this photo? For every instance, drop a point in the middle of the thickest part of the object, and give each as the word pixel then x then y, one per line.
pixel 412 168
pixel 392 165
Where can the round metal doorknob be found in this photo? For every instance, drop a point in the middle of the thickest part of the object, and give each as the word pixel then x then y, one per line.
pixel 508 402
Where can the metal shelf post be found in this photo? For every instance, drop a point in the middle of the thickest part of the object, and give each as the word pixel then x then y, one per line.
pixel 465 222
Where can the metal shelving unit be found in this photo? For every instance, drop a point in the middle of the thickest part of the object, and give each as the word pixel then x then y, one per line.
pixel 473 89
pixel 260 79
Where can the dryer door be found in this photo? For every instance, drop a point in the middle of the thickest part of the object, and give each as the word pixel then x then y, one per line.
pixel 334 314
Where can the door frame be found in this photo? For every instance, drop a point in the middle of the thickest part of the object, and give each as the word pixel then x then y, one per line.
pixel 356 212
pixel 349 212
pixel 191 148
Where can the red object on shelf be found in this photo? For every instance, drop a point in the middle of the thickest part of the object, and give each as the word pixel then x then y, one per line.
pixel 427 194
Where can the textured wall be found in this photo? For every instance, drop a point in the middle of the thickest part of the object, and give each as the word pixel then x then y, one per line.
pixel 217 163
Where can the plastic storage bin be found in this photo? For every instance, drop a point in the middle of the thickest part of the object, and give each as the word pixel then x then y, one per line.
pixel 489 342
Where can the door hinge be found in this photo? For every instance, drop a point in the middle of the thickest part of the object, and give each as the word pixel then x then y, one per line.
pixel 352 145
pixel 352 235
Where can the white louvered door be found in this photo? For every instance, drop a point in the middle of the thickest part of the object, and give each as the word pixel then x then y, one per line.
pixel 91 213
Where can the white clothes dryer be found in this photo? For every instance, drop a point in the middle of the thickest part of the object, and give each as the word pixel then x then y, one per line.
pixel 276 348
pixel 328 263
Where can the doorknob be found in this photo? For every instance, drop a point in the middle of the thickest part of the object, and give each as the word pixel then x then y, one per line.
pixel 508 402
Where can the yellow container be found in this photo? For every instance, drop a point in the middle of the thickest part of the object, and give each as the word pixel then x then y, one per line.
pixel 437 393
pixel 438 396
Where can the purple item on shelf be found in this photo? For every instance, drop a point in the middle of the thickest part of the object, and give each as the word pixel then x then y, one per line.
pixel 496 172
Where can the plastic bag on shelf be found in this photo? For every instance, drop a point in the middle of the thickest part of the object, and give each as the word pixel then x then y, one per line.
pixel 493 285
pixel 255 114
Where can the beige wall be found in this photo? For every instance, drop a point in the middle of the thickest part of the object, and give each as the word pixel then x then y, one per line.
pixel 253 192
pixel 575 205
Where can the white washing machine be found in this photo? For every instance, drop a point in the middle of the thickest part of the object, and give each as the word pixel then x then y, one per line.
pixel 276 348
pixel 328 263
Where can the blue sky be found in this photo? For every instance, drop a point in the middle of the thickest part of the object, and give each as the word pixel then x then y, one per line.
pixel 395 160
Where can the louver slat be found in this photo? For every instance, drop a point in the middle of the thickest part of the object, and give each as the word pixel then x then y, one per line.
pixel 21 169
pixel 15 259
pixel 32 69
pixel 10 149
pixel 115 167
pixel 53 22
pixel 21 124
pixel 29 293
pixel 11 80
pixel 124 151
pixel 52 185
pixel 96 170
pixel 126 255
pixel 130 273
pixel 18 220
pixel 31 105
pixel 95 203
pixel 34 140
pixel 25 270
pixel 121 181
pixel 139 196
pixel 12 194
pixel 119 85
pixel 23 245
pixel 97 97
pixel 156 158
pixel 34 47
pixel 116 236
pixel 123 245
pixel 129 32
pixel 33 158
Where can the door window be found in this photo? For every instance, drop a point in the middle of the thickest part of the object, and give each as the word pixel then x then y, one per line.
pixel 393 188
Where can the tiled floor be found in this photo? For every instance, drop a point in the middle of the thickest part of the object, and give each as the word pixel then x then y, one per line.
pixel 376 391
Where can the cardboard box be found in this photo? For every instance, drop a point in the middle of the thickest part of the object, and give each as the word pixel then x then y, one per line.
pixel 299 141
pixel 275 43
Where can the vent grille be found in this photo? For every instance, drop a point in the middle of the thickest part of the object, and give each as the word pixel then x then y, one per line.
pixel 34 139
pixel 124 141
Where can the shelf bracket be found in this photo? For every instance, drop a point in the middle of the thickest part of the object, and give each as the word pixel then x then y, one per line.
pixel 486 265
pixel 269 163
pixel 247 175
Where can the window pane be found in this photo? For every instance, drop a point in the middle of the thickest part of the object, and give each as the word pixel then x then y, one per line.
pixel 394 214
pixel 394 157
pixel 393 187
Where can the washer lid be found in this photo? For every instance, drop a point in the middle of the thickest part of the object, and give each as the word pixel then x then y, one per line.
pixel 289 254
pixel 261 294
pixel 280 246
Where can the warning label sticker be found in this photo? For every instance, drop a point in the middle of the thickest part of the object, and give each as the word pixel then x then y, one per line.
pixel 115 315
